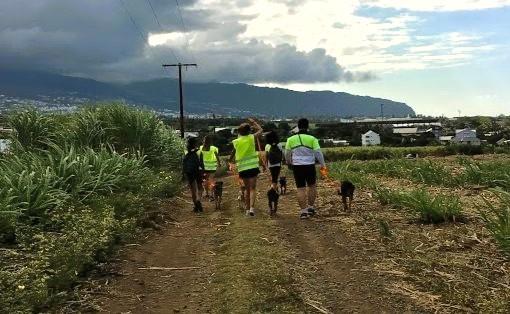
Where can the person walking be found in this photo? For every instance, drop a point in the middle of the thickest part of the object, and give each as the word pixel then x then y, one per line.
pixel 247 161
pixel 192 168
pixel 274 157
pixel 302 151
pixel 210 157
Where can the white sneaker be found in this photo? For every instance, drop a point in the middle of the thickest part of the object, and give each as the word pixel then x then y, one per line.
pixel 251 212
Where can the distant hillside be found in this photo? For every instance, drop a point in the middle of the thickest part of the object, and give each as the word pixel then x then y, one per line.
pixel 219 98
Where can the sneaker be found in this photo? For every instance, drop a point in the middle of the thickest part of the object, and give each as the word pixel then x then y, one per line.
pixel 311 211
pixel 200 209
pixel 195 207
pixel 303 216
pixel 252 212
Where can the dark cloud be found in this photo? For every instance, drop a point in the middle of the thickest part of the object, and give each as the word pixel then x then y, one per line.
pixel 96 39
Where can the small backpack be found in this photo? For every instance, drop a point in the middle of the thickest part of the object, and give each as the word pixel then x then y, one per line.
pixel 275 155
pixel 191 162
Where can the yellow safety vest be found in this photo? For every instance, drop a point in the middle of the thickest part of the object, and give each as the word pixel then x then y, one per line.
pixel 209 157
pixel 246 155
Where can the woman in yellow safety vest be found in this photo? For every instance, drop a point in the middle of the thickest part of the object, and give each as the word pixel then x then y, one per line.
pixel 209 154
pixel 246 158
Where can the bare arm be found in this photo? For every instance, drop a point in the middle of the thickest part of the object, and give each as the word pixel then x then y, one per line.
pixel 258 128
pixel 218 159
pixel 232 156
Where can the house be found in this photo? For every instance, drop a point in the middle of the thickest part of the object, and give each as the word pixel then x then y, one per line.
pixel 503 142
pixel 4 145
pixel 231 129
pixel 466 136
pixel 187 134
pixel 445 139
pixel 334 142
pixel 370 139
pixel 406 131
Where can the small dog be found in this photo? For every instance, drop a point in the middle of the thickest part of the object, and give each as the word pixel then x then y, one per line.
pixel 242 194
pixel 347 192
pixel 218 194
pixel 272 198
pixel 283 185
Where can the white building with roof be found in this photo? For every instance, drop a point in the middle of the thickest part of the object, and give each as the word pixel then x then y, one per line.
pixel 370 139
pixel 466 136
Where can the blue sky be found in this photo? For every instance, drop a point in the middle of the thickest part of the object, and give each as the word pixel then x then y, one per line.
pixel 441 59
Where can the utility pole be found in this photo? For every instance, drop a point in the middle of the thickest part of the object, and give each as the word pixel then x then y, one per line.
pixel 181 100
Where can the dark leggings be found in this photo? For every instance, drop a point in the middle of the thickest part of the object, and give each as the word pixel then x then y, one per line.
pixel 275 173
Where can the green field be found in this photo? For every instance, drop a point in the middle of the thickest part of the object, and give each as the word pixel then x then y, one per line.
pixel 74 186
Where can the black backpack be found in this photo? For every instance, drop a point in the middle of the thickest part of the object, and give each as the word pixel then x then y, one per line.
pixel 275 155
pixel 191 162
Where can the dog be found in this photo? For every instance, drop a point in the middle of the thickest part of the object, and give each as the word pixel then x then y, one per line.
pixel 347 192
pixel 272 198
pixel 241 199
pixel 218 194
pixel 283 185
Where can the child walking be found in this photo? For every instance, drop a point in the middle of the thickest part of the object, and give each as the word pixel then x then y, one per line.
pixel 211 159
pixel 192 168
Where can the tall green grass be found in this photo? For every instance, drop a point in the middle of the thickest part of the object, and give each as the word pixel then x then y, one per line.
pixel 73 186
pixel 497 220
pixel 383 152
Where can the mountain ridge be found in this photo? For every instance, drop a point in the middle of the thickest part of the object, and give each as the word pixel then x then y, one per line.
pixel 221 98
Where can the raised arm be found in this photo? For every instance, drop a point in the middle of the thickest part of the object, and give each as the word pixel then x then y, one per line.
pixel 258 128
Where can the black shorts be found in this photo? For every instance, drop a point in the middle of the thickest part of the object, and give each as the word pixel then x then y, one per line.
pixel 250 173
pixel 275 173
pixel 195 177
pixel 304 175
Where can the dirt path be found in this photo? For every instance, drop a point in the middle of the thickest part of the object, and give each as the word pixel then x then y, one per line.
pixel 235 264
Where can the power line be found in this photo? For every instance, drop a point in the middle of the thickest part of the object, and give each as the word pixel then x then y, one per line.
pixel 185 31
pixel 138 28
pixel 161 27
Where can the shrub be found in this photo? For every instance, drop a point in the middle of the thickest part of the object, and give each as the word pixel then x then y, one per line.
pixel 128 130
pixel 32 129
pixel 497 220
pixel 487 173
pixel 433 209
pixel 381 152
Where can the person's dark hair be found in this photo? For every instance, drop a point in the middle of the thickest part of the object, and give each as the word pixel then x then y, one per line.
pixel 272 138
pixel 192 143
pixel 303 124
pixel 244 129
pixel 207 141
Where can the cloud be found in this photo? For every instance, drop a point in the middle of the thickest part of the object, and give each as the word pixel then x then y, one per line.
pixel 273 41
pixel 438 5
pixel 97 39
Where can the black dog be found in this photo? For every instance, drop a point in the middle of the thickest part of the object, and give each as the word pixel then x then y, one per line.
pixel 272 197
pixel 283 185
pixel 218 194
pixel 347 192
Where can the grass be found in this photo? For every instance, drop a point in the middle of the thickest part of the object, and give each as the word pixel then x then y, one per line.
pixel 73 186
pixel 266 283
pixel 497 220
pixel 383 152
